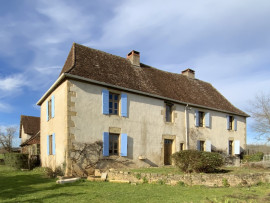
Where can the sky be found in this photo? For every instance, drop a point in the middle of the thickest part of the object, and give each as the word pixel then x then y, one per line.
pixel 227 43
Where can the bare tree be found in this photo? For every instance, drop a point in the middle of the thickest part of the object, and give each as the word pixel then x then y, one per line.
pixel 6 139
pixel 260 112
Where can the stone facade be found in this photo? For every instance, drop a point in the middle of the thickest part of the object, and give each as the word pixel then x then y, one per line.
pixel 79 120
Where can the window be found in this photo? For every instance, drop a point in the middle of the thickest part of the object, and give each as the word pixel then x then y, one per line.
pixel 168 112
pixel 201 118
pixel 181 146
pixel 113 144
pixel 50 109
pixel 230 150
pixel 50 145
pixel 230 122
pixel 200 145
pixel 113 103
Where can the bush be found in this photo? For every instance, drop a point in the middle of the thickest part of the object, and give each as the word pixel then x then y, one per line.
pixel 197 161
pixel 253 157
pixel 53 173
pixel 16 160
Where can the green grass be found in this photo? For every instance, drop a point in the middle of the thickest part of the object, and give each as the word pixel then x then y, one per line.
pixel 32 186
pixel 174 170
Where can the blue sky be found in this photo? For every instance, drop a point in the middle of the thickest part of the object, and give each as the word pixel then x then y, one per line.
pixel 227 43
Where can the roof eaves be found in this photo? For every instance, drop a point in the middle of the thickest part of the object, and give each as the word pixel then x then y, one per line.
pixel 75 77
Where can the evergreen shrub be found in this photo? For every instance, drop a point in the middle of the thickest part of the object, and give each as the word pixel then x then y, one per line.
pixel 197 161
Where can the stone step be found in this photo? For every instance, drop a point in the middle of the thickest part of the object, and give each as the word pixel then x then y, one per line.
pixel 69 180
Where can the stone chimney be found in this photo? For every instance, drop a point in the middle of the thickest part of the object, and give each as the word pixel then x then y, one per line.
pixel 134 58
pixel 189 73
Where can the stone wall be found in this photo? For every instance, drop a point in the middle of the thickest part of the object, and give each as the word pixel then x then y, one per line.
pixel 212 180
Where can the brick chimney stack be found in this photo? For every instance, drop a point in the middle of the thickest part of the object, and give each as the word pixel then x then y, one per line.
pixel 189 73
pixel 134 58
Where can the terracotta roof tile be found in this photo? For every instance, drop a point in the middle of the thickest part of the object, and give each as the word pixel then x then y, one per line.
pixel 31 125
pixel 104 67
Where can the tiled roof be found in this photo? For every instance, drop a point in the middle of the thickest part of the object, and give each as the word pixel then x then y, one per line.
pixel 32 140
pixel 114 70
pixel 31 125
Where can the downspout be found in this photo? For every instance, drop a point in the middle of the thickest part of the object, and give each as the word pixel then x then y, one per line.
pixel 186 122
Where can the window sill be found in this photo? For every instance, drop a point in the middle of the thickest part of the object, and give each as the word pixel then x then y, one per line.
pixel 112 157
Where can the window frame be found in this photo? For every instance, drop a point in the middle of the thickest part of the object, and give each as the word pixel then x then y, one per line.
pixel 50 144
pixel 168 114
pixel 202 145
pixel 49 109
pixel 114 101
pixel 114 138
pixel 231 122
pixel 230 148
pixel 201 118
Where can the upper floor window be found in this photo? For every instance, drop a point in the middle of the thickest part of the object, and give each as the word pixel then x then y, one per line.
pixel 50 108
pixel 202 119
pixel 231 123
pixel 168 115
pixel 114 103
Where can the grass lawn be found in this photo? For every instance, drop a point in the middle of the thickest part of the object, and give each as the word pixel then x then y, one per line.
pixel 174 170
pixel 32 186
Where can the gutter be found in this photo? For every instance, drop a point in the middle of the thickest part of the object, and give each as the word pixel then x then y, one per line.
pixel 79 78
pixel 186 119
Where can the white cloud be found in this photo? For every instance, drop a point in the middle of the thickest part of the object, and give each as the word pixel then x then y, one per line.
pixel 13 82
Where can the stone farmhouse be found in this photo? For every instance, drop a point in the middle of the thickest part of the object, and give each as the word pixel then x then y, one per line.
pixel 29 134
pixel 138 114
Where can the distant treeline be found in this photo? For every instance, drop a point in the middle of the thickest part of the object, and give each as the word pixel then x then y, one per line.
pixel 252 149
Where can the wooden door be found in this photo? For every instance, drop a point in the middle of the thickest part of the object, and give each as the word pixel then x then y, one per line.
pixel 167 151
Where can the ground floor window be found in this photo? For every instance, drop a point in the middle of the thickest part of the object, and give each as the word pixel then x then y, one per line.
pixel 113 144
pixel 201 145
pixel 230 147
pixel 50 144
pixel 181 146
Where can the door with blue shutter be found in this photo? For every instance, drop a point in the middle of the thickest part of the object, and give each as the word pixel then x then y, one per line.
pixel 124 105
pixel 105 144
pixel 105 101
pixel 124 143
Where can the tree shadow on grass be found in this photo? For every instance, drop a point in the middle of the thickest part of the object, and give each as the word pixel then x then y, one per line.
pixel 216 171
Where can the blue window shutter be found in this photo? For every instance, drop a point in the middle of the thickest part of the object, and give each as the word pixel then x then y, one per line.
pixel 105 144
pixel 124 105
pixel 197 118
pixel 235 123
pixel 47 110
pixel 123 145
pixel 198 145
pixel 228 122
pixel 53 143
pixel 236 147
pixel 105 101
pixel 207 120
pixel 48 145
pixel 52 106
pixel 208 146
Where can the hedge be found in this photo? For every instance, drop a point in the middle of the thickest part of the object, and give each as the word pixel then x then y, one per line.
pixel 16 160
pixel 253 157
pixel 197 161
